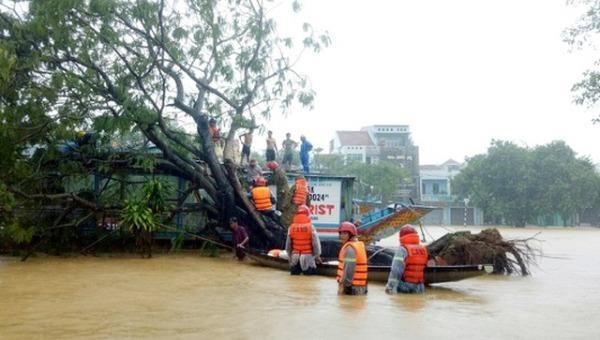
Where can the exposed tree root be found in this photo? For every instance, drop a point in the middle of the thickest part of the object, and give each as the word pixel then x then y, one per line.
pixel 488 246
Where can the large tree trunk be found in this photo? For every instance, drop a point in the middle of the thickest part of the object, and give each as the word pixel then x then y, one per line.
pixel 229 188
pixel 229 151
pixel 225 195
pixel 270 233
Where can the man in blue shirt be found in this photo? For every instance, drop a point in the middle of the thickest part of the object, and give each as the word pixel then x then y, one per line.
pixel 305 148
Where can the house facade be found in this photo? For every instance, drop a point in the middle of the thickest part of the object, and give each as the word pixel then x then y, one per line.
pixel 375 143
pixel 436 190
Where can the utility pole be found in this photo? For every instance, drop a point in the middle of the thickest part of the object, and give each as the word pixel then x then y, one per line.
pixel 466 200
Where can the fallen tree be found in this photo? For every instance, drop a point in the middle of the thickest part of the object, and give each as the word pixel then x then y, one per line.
pixel 148 72
pixel 461 248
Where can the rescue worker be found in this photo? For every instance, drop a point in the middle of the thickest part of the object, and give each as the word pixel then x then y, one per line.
pixel 406 275
pixel 299 194
pixel 352 269
pixel 262 198
pixel 279 179
pixel 303 244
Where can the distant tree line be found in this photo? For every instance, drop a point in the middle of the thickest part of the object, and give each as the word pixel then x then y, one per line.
pixel 516 185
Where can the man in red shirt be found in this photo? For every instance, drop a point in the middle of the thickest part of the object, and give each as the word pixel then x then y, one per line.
pixel 240 238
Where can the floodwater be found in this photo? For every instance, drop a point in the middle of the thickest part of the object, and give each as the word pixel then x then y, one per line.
pixel 189 296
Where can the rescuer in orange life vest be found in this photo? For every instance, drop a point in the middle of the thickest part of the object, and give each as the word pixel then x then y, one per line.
pixel 352 266
pixel 302 244
pixel 262 197
pixel 300 193
pixel 406 275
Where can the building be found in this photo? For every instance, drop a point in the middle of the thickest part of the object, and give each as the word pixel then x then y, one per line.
pixel 355 146
pixel 436 190
pixel 377 143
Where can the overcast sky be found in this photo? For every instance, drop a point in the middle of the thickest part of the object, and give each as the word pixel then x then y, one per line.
pixel 460 73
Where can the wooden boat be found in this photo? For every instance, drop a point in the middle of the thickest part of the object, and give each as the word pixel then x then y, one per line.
pixel 379 223
pixel 433 275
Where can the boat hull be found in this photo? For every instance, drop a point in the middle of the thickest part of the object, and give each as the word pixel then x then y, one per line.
pixel 433 275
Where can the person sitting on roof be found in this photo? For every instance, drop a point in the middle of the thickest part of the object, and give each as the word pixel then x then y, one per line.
pixel 263 198
pixel 407 272
pixel 303 244
pixel 352 272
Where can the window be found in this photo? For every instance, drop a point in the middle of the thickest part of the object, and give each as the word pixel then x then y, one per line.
pixel 436 188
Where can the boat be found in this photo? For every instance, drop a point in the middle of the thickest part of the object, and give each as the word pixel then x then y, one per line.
pixel 381 223
pixel 433 274
pixel 332 203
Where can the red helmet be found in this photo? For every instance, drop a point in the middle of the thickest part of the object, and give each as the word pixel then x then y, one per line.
pixel 303 210
pixel 260 181
pixel 407 229
pixel 349 227
pixel 272 165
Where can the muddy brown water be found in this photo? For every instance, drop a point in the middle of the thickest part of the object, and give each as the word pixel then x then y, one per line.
pixel 189 296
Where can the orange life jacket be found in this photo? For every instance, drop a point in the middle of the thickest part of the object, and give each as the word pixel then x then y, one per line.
pixel 301 235
pixel 361 271
pixel 262 198
pixel 416 259
pixel 300 192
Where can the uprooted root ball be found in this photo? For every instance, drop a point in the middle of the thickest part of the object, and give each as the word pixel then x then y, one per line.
pixel 486 247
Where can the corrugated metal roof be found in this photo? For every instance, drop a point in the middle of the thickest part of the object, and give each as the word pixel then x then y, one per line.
pixel 354 138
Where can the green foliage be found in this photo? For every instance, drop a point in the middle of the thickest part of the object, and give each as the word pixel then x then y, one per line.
pixel 7 201
pixel 381 180
pixel 566 184
pixel 113 68
pixel 17 233
pixel 136 216
pixel 143 214
pixel 375 181
pixel 515 185
pixel 155 195
pixel 584 32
